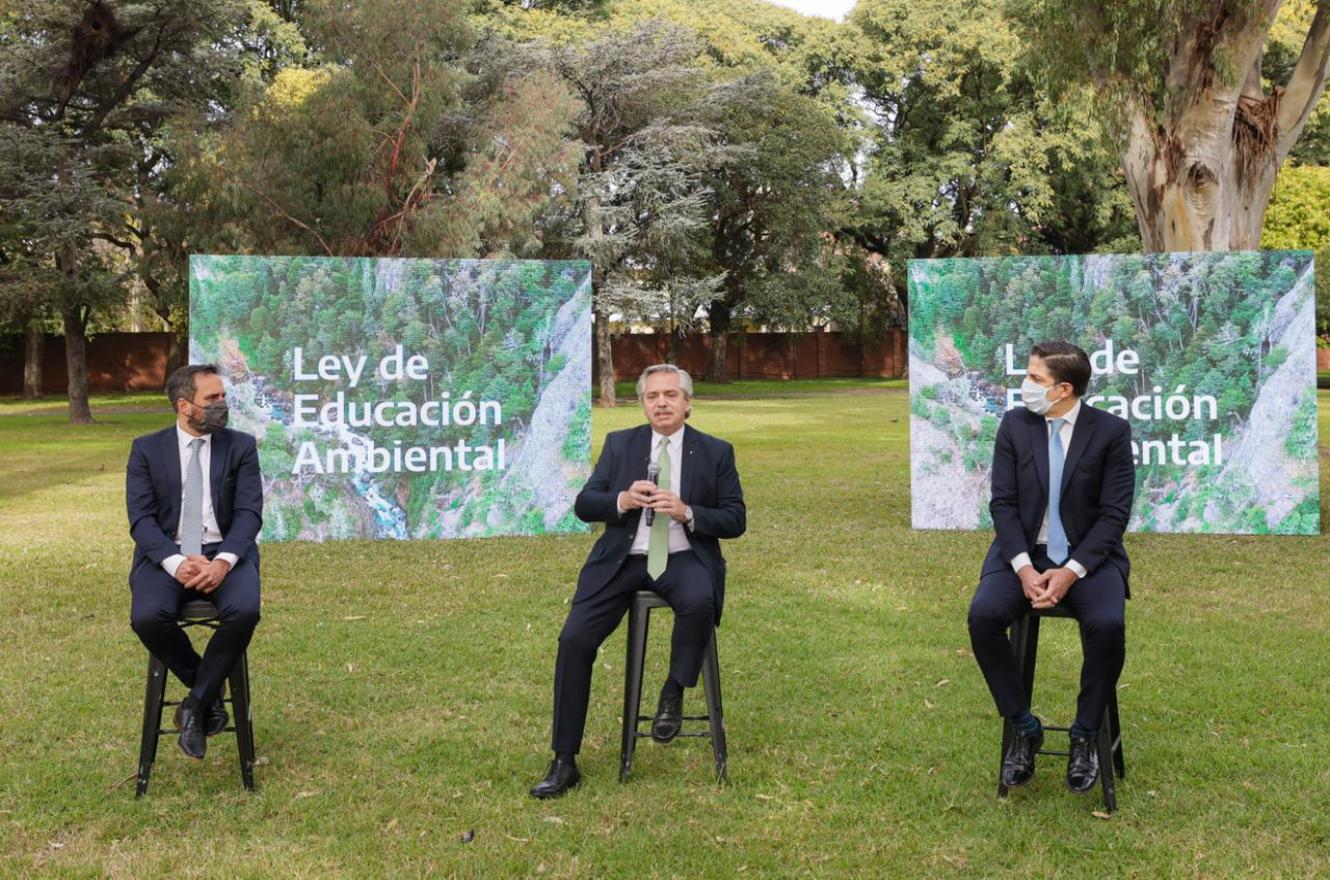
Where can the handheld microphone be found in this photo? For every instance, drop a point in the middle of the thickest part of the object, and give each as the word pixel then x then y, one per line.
pixel 653 474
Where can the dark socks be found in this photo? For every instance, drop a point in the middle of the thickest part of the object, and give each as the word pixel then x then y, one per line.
pixel 1078 730
pixel 671 687
pixel 566 757
pixel 1025 723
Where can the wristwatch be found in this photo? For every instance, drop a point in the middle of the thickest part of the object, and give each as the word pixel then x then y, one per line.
pixel 688 518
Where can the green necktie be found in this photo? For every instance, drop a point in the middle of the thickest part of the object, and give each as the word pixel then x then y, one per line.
pixel 658 545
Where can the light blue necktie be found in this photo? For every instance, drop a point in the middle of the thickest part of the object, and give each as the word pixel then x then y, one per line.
pixel 1057 535
pixel 191 522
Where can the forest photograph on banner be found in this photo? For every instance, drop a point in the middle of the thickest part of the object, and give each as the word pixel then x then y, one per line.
pixel 404 398
pixel 1210 356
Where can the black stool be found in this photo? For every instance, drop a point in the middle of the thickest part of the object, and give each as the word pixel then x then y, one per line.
pixel 197 613
pixel 639 614
pixel 1025 645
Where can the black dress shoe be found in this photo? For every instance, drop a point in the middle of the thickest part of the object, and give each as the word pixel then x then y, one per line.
pixel 217 718
pixel 669 715
pixel 562 776
pixel 1082 764
pixel 188 719
pixel 1018 762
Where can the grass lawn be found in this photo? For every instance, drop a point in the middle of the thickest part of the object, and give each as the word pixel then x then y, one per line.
pixel 402 692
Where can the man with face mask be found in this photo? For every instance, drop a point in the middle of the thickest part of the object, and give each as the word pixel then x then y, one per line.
pixel 1063 482
pixel 195 503
pixel 694 500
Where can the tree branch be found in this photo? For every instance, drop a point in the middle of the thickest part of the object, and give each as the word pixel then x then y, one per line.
pixel 277 209
pixel 1307 82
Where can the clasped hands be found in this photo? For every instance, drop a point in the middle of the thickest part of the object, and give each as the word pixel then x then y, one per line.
pixel 199 573
pixel 1045 589
pixel 644 493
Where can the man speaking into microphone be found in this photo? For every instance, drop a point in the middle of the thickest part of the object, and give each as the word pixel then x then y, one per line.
pixel 667 494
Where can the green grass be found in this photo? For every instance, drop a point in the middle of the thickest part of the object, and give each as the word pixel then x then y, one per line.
pixel 402 693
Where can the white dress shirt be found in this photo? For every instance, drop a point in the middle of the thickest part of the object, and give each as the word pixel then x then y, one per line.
pixel 1068 425
pixel 678 536
pixel 212 533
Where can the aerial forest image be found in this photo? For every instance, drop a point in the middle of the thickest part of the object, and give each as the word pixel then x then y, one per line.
pixel 397 398
pixel 1210 356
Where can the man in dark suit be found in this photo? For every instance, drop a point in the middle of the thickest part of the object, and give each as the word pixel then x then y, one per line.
pixel 1063 482
pixel 697 502
pixel 195 503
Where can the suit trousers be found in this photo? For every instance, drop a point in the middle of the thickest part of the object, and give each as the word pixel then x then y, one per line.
pixel 1097 601
pixel 156 599
pixel 685 584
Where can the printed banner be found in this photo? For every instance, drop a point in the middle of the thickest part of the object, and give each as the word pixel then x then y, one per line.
pixel 396 398
pixel 1210 356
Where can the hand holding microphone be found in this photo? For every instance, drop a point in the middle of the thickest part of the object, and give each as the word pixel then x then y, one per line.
pixel 653 475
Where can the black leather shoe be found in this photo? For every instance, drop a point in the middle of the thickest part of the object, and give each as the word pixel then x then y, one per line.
pixel 188 719
pixel 217 718
pixel 669 715
pixel 1018 762
pixel 1082 764
pixel 561 778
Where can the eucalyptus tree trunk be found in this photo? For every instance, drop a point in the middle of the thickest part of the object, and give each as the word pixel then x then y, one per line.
pixel 1201 167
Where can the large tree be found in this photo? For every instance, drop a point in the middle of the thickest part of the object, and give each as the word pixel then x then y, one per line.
pixel 1202 133
pixel 965 154
pixel 402 135
pixel 84 89
pixel 641 197
pixel 775 194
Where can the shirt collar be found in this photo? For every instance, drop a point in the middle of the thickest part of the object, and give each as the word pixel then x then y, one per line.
pixel 675 439
pixel 1070 415
pixel 183 437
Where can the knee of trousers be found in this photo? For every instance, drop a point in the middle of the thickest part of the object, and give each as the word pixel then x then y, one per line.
pixel 1104 629
pixel 700 610
pixel 242 616
pixel 984 619
pixel 576 642
pixel 151 621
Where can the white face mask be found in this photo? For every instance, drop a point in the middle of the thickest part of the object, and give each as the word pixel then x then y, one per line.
pixel 1035 396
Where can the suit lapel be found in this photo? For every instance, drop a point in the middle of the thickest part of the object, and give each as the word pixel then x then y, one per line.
pixel 171 456
pixel 220 446
pixel 639 454
pixel 1080 438
pixel 686 462
pixel 1039 438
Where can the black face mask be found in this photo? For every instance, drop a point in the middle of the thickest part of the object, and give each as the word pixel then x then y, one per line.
pixel 215 417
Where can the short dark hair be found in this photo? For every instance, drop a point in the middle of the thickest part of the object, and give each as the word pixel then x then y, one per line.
pixel 1068 363
pixel 182 381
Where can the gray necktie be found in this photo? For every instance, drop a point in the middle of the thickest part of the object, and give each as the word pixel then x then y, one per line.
pixel 191 523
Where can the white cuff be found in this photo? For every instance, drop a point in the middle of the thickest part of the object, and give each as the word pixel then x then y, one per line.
pixel 172 562
pixel 1076 567
pixel 230 558
pixel 1021 560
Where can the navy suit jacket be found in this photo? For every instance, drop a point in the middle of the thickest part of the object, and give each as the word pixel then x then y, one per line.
pixel 709 485
pixel 1098 485
pixel 153 487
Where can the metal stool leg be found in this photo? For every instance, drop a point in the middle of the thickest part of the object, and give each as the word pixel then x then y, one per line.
pixel 1025 647
pixel 1106 763
pixel 153 697
pixel 715 711
pixel 639 619
pixel 1115 730
pixel 244 719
